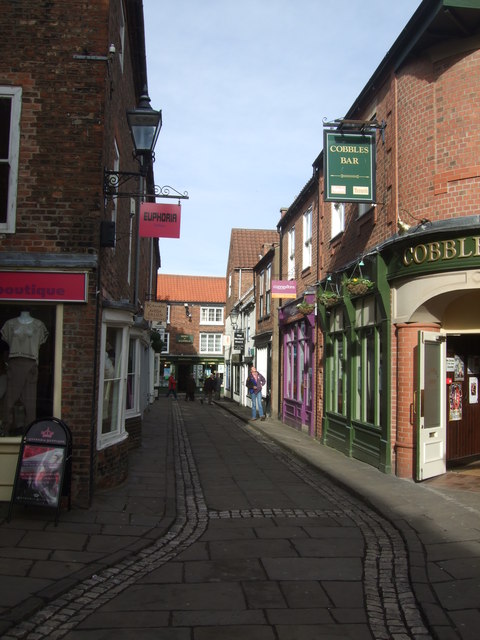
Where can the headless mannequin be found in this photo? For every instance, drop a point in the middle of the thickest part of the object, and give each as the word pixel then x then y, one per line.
pixel 24 336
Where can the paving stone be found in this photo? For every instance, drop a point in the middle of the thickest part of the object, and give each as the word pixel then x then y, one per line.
pixel 313 568
pixel 224 570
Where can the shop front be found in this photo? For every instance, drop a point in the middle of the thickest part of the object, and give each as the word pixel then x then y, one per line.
pixel 435 281
pixel 298 344
pixel 35 309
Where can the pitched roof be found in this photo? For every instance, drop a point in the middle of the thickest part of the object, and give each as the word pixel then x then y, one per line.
pixel 191 288
pixel 246 246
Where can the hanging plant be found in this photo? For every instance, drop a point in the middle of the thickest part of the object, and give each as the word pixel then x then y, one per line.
pixel 358 285
pixel 328 298
pixel 306 307
pixel 156 340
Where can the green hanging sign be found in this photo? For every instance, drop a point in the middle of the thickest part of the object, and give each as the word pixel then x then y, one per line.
pixel 349 166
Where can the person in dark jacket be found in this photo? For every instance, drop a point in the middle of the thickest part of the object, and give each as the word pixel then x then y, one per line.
pixel 209 387
pixel 255 383
pixel 190 388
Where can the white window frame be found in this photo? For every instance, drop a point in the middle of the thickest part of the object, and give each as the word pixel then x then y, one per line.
pixel 261 294
pixel 205 338
pixel 307 239
pixel 291 253
pixel 338 218
pixel 166 343
pixel 15 94
pixel 205 312
pixel 134 376
pixel 268 289
pixel 120 321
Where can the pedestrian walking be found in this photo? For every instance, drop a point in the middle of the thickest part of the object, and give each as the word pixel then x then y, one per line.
pixel 209 388
pixel 218 386
pixel 255 383
pixel 172 386
pixel 190 388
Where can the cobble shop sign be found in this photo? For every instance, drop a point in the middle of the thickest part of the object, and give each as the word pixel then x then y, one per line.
pixel 442 250
pixel 349 166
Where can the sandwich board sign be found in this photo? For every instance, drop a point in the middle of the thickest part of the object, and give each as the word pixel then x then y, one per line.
pixel 43 472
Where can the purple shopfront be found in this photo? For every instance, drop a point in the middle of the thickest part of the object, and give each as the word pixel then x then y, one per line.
pixel 298 338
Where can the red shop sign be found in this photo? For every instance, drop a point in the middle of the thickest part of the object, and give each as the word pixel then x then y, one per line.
pixel 158 220
pixel 43 286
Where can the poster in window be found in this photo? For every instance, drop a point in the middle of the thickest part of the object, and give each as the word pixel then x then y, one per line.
pixel 473 390
pixel 455 402
pixel 459 369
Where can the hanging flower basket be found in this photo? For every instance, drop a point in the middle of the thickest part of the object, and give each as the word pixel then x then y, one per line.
pixel 358 286
pixel 306 308
pixel 328 298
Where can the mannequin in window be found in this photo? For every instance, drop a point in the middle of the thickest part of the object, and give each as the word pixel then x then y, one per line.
pixel 24 336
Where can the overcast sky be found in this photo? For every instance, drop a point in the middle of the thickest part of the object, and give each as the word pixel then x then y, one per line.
pixel 244 89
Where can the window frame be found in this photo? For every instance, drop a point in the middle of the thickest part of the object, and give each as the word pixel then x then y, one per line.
pixel 206 311
pixel 307 239
pixel 15 96
pixel 291 254
pixel 217 338
pixel 337 218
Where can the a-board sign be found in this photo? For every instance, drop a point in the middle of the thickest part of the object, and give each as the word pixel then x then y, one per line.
pixel 44 465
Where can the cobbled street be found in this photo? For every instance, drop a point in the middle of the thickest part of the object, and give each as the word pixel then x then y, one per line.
pixel 263 546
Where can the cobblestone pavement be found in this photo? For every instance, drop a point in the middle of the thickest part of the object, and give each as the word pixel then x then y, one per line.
pixel 263 546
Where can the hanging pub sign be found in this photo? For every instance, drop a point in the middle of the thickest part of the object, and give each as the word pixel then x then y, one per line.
pixel 349 166
pixel 239 340
pixel 159 220
pixel 44 464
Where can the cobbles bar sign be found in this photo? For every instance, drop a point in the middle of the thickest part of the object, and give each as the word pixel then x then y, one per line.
pixel 44 286
pixel 349 166
pixel 159 220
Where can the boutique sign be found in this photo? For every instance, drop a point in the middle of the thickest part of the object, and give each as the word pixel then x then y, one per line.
pixel 43 286
pixel 349 166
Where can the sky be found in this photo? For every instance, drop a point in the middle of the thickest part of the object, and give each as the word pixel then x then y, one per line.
pixel 245 88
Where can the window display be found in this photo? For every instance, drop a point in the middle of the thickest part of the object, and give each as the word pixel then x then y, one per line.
pixel 26 366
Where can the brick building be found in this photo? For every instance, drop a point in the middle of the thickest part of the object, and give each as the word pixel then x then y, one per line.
pixel 248 251
pixel 193 331
pixel 397 343
pixel 73 274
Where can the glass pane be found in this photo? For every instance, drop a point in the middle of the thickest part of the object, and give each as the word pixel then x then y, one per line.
pixel 131 377
pixel 432 392
pixel 5 117
pixel 339 368
pixel 111 382
pixel 371 374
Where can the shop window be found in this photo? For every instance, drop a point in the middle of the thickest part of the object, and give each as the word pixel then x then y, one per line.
pixel 10 108
pixel 112 413
pixel 337 373
pixel 27 356
pixel 131 396
pixel 368 373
